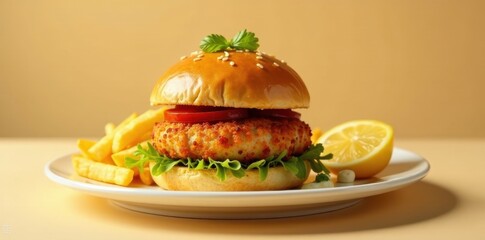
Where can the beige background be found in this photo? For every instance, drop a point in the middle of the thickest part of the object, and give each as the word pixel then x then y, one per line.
pixel 68 67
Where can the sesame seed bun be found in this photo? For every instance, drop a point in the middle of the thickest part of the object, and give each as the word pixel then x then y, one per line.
pixel 231 79
pixel 184 179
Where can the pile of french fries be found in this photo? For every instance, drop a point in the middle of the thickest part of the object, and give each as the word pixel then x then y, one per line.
pixel 104 160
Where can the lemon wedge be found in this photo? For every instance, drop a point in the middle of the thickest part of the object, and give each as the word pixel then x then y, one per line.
pixel 364 146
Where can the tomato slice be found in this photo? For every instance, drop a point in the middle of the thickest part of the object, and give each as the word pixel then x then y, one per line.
pixel 194 114
pixel 281 113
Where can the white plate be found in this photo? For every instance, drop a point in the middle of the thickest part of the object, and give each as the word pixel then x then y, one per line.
pixel 405 168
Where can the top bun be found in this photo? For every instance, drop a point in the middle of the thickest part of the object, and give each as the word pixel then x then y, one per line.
pixel 231 79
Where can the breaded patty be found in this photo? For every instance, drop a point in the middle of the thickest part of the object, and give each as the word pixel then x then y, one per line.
pixel 245 140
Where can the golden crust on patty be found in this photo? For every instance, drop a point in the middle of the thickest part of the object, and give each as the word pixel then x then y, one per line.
pixel 244 140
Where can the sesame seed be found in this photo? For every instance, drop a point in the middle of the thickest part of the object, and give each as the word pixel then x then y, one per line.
pixel 225 59
pixel 226 54
pixel 196 59
pixel 194 53
pixel 239 51
pixel 259 65
pixel 246 50
pixel 183 57
pixel 259 57
pixel 232 63
pixel 259 53
pixel 220 57
pixel 200 55
pixel 282 61
pixel 276 64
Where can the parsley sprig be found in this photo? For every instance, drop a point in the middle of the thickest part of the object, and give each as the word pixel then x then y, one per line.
pixel 243 40
pixel 295 164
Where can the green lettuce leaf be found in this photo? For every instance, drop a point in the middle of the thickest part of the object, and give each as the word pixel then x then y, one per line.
pixel 295 164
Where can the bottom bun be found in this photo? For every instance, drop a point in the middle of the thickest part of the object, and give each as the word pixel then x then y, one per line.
pixel 184 179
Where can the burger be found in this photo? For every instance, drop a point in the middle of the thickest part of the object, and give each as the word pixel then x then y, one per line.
pixel 230 125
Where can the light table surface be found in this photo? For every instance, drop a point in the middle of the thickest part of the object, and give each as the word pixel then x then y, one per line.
pixel 449 203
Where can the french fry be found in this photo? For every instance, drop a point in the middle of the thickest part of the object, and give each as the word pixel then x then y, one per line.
pixel 146 136
pixel 104 160
pixel 101 171
pixel 136 130
pixel 101 150
pixel 84 145
pixel 146 176
pixel 119 157
pixel 109 128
